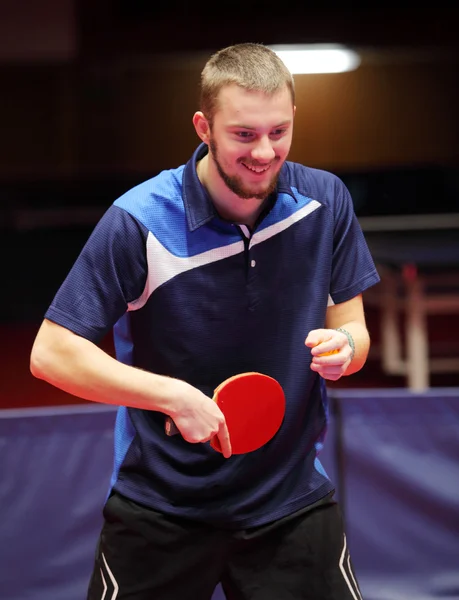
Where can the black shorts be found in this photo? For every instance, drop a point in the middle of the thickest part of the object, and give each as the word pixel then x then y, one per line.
pixel 145 555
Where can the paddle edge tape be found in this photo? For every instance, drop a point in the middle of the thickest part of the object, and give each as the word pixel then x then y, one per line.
pixel 171 428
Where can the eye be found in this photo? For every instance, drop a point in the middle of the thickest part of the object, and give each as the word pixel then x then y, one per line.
pixel 277 133
pixel 244 135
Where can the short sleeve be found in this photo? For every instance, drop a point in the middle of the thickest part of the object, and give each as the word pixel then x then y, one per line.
pixel 110 272
pixel 353 268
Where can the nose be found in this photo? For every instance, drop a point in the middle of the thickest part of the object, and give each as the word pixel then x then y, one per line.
pixel 263 150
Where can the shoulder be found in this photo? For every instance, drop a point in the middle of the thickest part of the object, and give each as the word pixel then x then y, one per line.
pixel 154 198
pixel 316 184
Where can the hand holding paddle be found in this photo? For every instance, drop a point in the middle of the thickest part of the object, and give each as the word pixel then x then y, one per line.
pixel 253 405
pixel 200 419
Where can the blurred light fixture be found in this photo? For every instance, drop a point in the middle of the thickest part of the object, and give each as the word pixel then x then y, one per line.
pixel 317 58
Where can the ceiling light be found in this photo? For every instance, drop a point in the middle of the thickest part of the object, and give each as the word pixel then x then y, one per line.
pixel 317 58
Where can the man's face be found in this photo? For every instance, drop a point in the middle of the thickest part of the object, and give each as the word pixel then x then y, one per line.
pixel 250 139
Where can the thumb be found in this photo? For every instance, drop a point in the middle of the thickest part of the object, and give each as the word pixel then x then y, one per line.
pixel 317 336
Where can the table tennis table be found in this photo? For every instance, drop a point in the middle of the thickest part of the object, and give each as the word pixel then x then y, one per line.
pixel 418 260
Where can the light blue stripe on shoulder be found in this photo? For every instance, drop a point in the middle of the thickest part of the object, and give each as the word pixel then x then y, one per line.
pixel 158 205
pixel 285 207
pixel 164 265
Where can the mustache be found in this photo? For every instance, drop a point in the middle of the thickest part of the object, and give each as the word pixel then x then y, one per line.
pixel 256 163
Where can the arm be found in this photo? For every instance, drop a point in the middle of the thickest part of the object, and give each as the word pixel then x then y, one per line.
pixel 110 272
pixel 349 316
pixel 352 271
pixel 79 367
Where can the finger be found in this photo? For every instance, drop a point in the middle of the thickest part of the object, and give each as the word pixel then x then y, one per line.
pixel 224 440
pixel 327 369
pixel 312 341
pixel 317 336
pixel 328 361
pixel 329 377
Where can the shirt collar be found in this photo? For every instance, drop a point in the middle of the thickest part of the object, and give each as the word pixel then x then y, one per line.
pixel 198 205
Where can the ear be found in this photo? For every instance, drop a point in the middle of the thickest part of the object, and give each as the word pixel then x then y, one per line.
pixel 201 125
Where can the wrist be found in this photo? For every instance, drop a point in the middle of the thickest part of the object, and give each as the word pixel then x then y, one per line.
pixel 350 339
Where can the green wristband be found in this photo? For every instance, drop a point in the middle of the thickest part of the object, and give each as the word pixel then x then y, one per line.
pixel 350 339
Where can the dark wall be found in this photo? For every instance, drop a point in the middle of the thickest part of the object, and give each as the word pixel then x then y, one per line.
pixel 135 116
pixel 121 100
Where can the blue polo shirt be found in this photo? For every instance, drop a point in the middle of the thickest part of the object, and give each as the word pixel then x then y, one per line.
pixel 192 296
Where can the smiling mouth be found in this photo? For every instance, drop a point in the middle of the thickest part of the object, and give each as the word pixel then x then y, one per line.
pixel 257 170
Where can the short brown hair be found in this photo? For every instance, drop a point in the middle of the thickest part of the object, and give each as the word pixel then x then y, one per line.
pixel 254 67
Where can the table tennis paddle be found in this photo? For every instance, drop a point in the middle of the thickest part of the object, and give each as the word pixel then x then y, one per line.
pixel 253 405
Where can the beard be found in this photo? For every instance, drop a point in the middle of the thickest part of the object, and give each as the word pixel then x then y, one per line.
pixel 235 183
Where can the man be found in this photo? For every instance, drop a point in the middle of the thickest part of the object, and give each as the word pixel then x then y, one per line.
pixel 237 261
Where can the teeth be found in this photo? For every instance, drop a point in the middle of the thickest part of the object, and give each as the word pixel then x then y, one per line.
pixel 256 169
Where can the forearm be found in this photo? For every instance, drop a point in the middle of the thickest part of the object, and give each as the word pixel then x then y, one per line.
pixel 81 368
pixel 350 316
